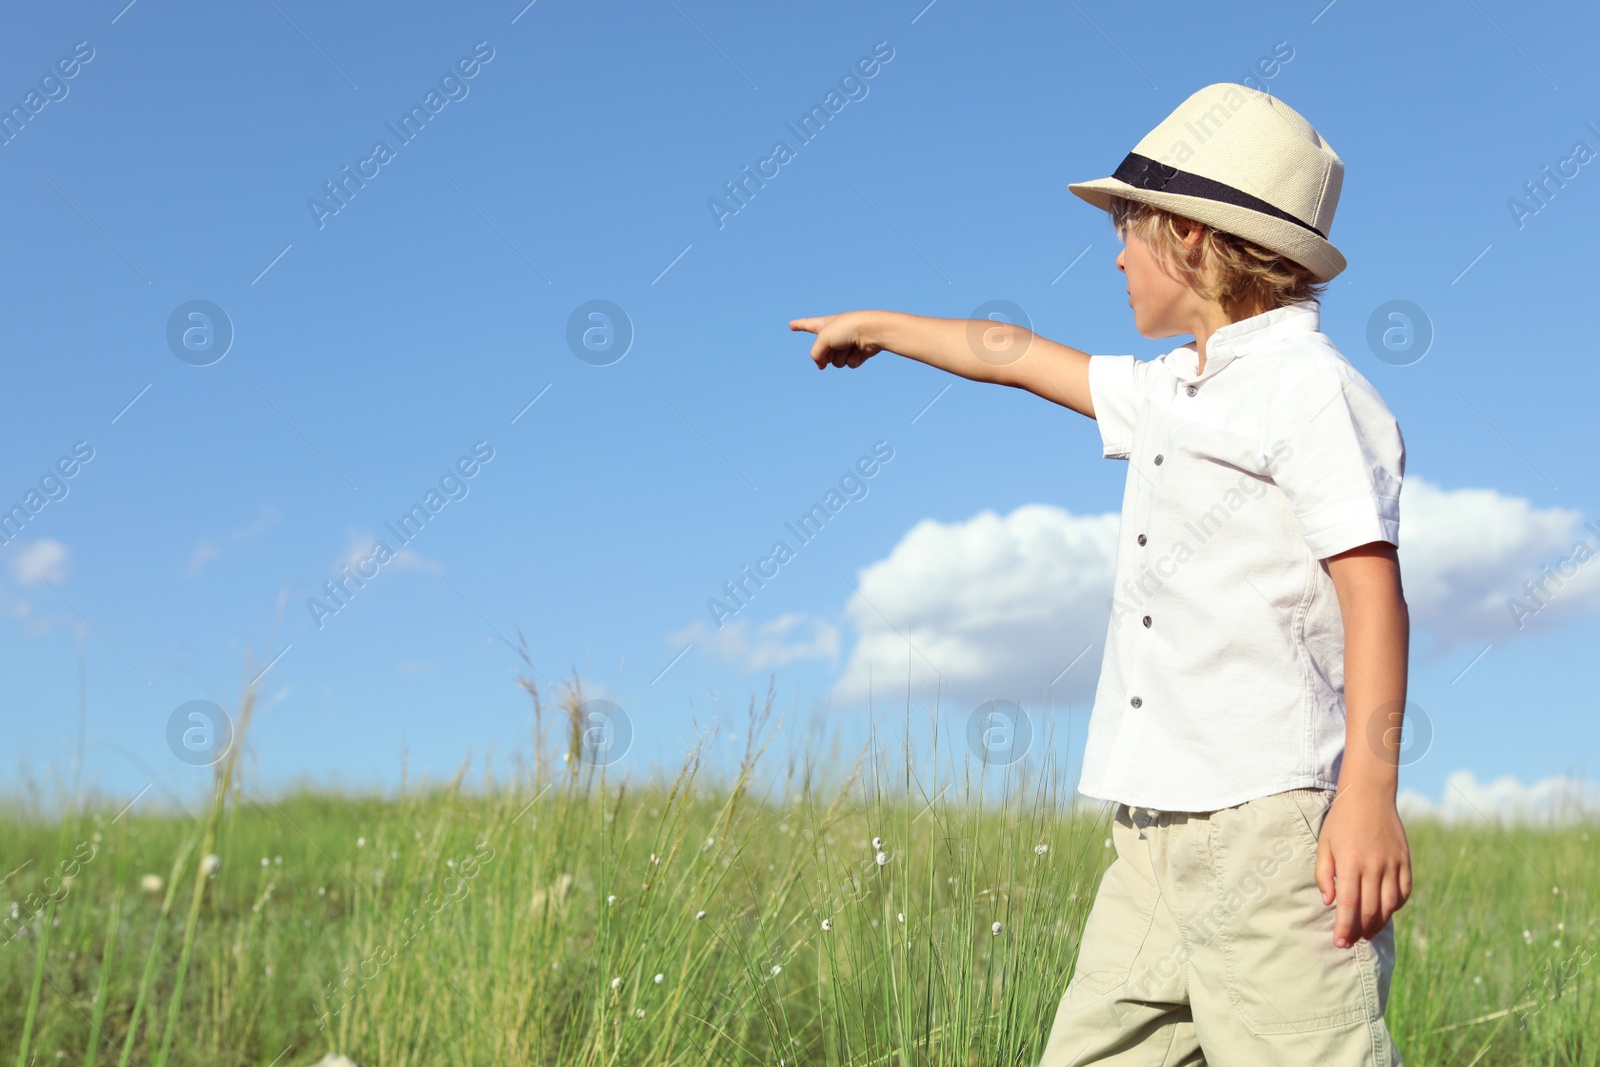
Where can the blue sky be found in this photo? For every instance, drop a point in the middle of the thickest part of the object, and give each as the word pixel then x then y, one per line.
pixel 376 345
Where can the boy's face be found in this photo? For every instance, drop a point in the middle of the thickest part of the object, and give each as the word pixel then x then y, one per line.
pixel 1163 304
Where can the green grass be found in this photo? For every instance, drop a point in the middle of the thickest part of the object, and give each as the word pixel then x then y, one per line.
pixel 470 924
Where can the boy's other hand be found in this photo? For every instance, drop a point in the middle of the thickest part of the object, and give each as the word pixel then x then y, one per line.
pixel 1362 851
pixel 841 339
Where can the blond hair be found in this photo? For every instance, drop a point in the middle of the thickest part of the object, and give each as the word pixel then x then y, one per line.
pixel 1238 274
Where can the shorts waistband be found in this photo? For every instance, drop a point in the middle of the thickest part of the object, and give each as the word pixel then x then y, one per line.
pixel 1150 816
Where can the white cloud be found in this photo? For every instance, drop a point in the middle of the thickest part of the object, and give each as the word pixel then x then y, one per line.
pixel 777 643
pixel 404 559
pixel 1557 801
pixel 266 518
pixel 1000 605
pixel 208 551
pixel 40 561
pixel 407 560
pixel 204 552
pixel 1466 553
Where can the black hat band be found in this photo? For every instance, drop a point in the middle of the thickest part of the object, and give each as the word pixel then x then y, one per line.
pixel 1142 172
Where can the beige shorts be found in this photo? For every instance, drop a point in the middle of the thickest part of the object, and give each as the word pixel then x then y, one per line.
pixel 1208 942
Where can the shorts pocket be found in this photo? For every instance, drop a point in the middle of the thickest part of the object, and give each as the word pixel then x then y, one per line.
pixel 1119 920
pixel 1284 974
pixel 1305 809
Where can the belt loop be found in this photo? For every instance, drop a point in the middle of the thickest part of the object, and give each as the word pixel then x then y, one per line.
pixel 1141 819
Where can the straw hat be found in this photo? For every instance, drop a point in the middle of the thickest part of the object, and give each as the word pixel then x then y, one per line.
pixel 1240 161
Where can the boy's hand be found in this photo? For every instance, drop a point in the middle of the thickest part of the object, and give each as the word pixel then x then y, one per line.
pixel 841 339
pixel 980 350
pixel 1363 848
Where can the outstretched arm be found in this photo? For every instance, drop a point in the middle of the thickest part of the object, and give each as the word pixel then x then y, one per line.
pixel 976 349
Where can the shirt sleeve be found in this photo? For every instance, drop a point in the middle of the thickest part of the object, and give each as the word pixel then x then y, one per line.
pixel 1116 389
pixel 1335 449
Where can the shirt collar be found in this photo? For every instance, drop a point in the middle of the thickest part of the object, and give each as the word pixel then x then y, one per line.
pixel 1248 335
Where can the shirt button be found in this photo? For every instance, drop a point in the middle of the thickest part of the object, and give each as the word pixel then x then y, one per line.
pixel 1158 459
pixel 1147 622
pixel 1136 702
pixel 1141 539
pixel 1192 390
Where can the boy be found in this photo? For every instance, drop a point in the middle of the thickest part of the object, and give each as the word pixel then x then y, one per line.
pixel 1255 662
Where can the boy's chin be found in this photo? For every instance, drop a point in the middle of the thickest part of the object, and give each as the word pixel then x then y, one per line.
pixel 1152 330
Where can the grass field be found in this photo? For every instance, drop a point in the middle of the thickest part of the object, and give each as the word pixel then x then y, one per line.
pixel 560 915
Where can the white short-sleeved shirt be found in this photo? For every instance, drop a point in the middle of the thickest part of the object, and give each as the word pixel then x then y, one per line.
pixel 1223 677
